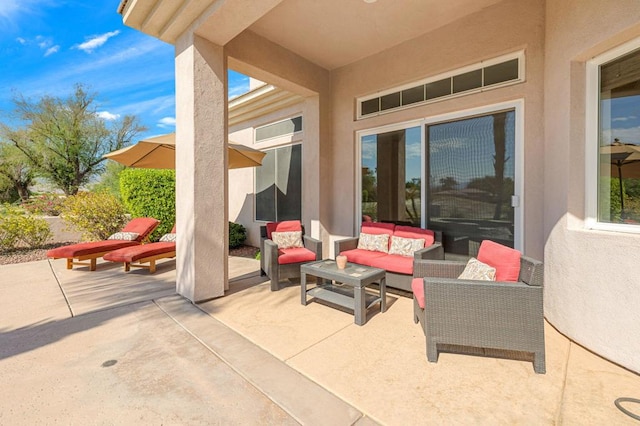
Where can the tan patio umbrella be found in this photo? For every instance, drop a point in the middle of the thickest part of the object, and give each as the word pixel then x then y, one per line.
pixel 159 152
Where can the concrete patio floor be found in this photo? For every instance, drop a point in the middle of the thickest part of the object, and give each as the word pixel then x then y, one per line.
pixel 109 347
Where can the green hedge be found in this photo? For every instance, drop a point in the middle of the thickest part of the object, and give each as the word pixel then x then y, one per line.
pixel 150 193
pixel 237 235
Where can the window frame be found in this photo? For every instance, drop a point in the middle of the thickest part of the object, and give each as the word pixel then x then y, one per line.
pixel 592 143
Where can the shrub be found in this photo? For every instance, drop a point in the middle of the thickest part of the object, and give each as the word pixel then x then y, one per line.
pixel 237 235
pixel 45 204
pixel 96 215
pixel 150 193
pixel 17 228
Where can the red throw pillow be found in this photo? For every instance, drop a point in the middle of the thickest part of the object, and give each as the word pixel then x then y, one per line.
pixel 415 233
pixel 382 225
pixel 284 226
pixel 505 259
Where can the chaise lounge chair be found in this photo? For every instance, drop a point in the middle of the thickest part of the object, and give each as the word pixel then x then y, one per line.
pixel 133 234
pixel 145 253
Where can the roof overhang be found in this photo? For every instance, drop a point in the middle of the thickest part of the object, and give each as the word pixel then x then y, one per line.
pixel 328 33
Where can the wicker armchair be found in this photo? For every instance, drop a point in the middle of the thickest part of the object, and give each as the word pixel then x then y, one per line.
pixel 280 264
pixel 481 314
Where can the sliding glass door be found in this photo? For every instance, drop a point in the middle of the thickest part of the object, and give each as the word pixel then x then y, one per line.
pixel 471 167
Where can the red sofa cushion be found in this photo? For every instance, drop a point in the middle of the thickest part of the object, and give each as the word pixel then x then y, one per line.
pixel 417 285
pixel 284 226
pixel 505 259
pixel 394 263
pixel 362 257
pixel 132 254
pixel 83 249
pixel 295 255
pixel 141 225
pixel 416 233
pixel 379 225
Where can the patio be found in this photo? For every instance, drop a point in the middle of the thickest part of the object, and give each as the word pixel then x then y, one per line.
pixel 260 355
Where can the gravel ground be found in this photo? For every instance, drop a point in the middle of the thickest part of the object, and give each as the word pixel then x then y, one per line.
pixel 29 255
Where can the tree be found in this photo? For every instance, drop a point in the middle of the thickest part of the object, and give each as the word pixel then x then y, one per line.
pixel 15 171
pixel 64 140
pixel 110 179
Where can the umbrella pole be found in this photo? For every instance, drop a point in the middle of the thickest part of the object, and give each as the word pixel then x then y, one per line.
pixel 621 191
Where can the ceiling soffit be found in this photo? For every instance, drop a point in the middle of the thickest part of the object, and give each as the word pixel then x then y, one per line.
pixel 329 33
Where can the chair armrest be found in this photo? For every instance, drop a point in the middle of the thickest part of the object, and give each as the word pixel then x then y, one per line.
pixel 437 268
pixel 438 236
pixel 313 245
pixel 270 255
pixel 346 244
pixel 434 252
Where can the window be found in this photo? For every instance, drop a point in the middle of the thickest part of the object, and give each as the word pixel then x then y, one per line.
pixel 278 186
pixel 497 72
pixel 281 128
pixel 614 145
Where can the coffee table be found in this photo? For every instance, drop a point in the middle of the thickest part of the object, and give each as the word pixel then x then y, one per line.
pixel 345 287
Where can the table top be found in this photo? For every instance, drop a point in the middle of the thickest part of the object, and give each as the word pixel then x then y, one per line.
pixel 352 272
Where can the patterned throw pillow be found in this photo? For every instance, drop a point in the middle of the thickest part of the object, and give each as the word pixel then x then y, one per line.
pixel 476 270
pixel 125 236
pixel 405 246
pixel 374 242
pixel 168 238
pixel 289 239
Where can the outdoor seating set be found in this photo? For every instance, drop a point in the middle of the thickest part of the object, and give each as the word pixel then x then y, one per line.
pixel 127 247
pixel 494 302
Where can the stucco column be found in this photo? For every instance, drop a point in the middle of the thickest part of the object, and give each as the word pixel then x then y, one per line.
pixel 201 169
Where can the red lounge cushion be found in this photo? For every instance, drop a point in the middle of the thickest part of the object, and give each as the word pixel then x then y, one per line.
pixel 284 226
pixel 362 257
pixel 142 225
pixel 417 285
pixel 394 263
pixel 415 233
pixel 505 259
pixel 83 249
pixel 132 254
pixel 295 255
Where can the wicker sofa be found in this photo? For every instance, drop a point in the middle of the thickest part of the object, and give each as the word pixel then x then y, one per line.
pixel 480 314
pixel 399 269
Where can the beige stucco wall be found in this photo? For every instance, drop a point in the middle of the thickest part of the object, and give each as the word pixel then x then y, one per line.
pixel 504 28
pixel 591 277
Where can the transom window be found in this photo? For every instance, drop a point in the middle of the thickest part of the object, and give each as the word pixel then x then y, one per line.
pixel 484 75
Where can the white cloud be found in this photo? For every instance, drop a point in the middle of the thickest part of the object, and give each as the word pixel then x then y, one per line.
pixel 167 122
pixel 631 117
pixel 21 40
pixel 106 115
pixel 52 50
pixel 93 43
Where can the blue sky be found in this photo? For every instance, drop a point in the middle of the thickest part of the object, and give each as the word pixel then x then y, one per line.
pixel 47 46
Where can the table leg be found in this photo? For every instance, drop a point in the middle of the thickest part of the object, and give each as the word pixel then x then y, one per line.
pixel 383 294
pixel 360 310
pixel 303 288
